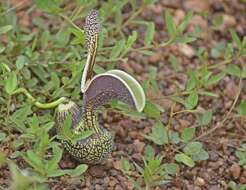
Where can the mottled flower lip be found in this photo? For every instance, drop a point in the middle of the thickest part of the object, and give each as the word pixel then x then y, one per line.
pixel 133 92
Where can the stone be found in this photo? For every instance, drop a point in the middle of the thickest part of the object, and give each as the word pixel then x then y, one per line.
pixel 199 181
pixel 228 21
pixel 118 187
pixel 215 187
pixel 98 187
pixel 235 171
pixel 117 165
pixel 178 16
pixel 97 171
pixel 112 182
pixel 197 20
pixel 139 146
pixel 155 58
pixel 186 50
pixel 231 90
pixel 184 123
pixel 196 5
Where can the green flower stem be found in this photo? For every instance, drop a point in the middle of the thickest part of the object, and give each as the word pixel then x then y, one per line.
pixel 185 111
pixel 71 22
pixel 162 45
pixel 37 103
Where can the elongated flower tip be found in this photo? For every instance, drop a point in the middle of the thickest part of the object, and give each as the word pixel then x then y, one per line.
pixel 92 25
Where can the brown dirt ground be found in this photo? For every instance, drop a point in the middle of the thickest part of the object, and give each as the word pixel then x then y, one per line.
pixel 222 165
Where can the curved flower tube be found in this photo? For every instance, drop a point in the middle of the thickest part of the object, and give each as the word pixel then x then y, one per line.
pixel 97 90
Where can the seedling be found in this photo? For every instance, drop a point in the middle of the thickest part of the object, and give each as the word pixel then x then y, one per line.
pixel 153 172
pixel 241 155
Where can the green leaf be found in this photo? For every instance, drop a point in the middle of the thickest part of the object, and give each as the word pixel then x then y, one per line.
pixel 98 69
pixel 65 129
pixel 215 79
pixel 216 51
pixel 192 82
pixel 185 22
pixel 2 136
pixel 130 41
pixel 57 173
pixel 171 27
pixel 152 110
pixel 174 62
pixel 206 117
pixel 184 39
pixel 152 79
pixel 79 36
pixel 149 152
pixel 49 5
pixel 2 48
pixel 118 18
pixel 149 2
pixel 242 187
pixel 236 39
pixel 232 185
pixel 158 135
pixel 20 116
pixel 178 99
pixel 57 154
pixel 2 158
pixel 191 101
pixel 62 37
pixel 125 164
pixel 229 51
pixel 11 82
pixel 206 93
pixel 79 170
pixel 188 134
pixel 205 74
pixel 19 181
pixel 217 21
pixel 20 62
pixel 174 137
pixel 82 135
pixel 40 72
pixel 149 34
pixel 202 155
pixel 233 70
pixel 5 29
pixel 184 159
pixel 83 2
pixel 193 148
pixel 241 109
pixel 171 168
pixel 153 164
pixel 244 72
pixel 117 49
pixel 34 160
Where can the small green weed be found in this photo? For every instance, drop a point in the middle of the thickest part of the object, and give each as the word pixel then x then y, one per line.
pixel 154 172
